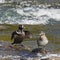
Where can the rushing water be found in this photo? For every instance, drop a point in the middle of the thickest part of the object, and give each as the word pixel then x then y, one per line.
pixel 29 15
pixel 33 15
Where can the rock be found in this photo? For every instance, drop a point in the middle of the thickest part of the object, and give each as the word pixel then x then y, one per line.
pixel 7 50
pixel 39 50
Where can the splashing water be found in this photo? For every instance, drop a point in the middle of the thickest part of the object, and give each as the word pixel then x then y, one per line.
pixel 28 15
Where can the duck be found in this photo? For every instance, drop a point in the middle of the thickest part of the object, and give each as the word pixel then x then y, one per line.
pixel 43 40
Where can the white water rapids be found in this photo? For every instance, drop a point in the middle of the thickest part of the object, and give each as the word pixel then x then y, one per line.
pixel 29 58
pixel 29 15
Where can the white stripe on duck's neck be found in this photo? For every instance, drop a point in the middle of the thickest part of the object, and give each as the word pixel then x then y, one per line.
pixel 20 32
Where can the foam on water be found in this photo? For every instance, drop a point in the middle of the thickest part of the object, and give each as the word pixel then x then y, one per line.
pixel 28 15
pixel 29 58
pixel 2 1
pixel 40 16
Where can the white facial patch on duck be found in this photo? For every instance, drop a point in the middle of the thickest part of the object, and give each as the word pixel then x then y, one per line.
pixel 19 32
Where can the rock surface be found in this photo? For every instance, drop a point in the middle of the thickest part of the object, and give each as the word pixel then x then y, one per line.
pixel 7 52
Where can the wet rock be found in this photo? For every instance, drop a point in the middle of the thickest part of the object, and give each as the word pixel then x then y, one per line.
pixel 39 50
pixel 7 50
